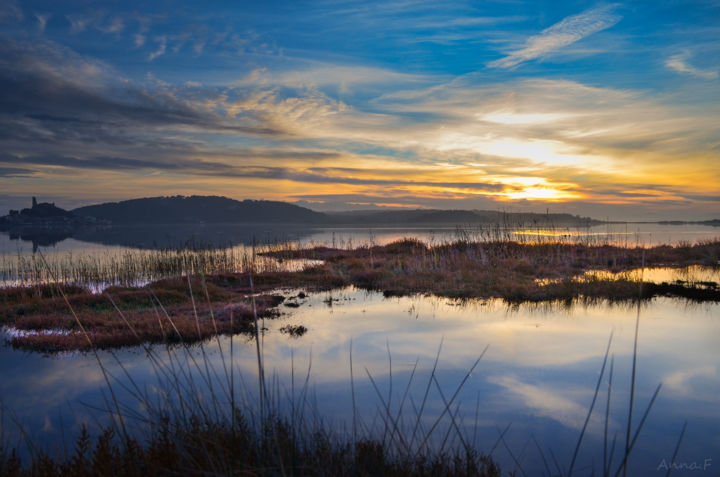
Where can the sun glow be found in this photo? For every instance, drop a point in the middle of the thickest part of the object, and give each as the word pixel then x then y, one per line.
pixel 543 152
pixel 509 117
pixel 540 193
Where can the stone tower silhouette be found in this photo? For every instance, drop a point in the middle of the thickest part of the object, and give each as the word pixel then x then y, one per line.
pixel 34 203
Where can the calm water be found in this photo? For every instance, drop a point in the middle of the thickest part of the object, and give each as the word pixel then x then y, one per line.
pixel 538 375
pixel 222 236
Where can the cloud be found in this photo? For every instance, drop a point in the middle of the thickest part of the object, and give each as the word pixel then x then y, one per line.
pixel 345 77
pixel 97 19
pixel 78 23
pixel 455 22
pixel 42 20
pixel 544 401
pixel 162 47
pixel 679 64
pixel 331 176
pixel 316 175
pixel 682 381
pixel 10 12
pixel 49 94
pixel 190 164
pixel 561 34
pixel 14 172
pixel 117 163
pixel 703 198
pixel 116 25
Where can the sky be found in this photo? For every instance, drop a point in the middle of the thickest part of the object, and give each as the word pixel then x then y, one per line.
pixel 608 110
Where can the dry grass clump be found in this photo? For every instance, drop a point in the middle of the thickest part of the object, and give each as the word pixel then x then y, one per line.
pixel 295 331
pixel 198 446
pixel 506 269
pixel 164 311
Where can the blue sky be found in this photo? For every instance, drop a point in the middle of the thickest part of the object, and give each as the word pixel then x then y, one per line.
pixel 602 109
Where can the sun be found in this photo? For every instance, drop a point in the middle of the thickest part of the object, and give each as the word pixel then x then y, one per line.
pixel 540 193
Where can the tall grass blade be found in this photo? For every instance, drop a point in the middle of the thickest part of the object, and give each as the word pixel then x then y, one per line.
pixel 592 406
pixel 677 449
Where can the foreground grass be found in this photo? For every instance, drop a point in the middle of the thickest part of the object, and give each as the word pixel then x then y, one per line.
pixel 195 447
pixel 167 311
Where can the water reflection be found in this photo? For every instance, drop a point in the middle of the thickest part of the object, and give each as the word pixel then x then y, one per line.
pixel 228 235
pixel 539 372
pixel 693 274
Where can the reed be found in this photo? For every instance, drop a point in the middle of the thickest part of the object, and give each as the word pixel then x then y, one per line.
pixel 134 267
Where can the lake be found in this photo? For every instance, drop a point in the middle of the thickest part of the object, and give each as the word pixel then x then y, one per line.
pixel 229 235
pixel 538 374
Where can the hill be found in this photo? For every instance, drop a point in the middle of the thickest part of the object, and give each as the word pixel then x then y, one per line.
pixel 223 210
pixel 712 222
pixel 195 209
pixel 456 217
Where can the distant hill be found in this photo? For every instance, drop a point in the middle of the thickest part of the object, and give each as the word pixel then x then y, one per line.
pixel 195 209
pixel 457 217
pixel 712 222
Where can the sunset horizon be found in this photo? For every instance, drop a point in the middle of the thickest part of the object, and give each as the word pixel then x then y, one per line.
pixel 606 110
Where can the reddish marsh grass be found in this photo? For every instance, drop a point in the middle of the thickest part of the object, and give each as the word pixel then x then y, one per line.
pixel 148 310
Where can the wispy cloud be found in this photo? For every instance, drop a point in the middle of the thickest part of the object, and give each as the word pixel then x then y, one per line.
pixel 564 33
pixel 78 23
pixel 115 25
pixel 10 12
pixel 162 47
pixel 14 172
pixel 96 19
pixel 544 401
pixel 50 94
pixel 42 20
pixel 679 63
